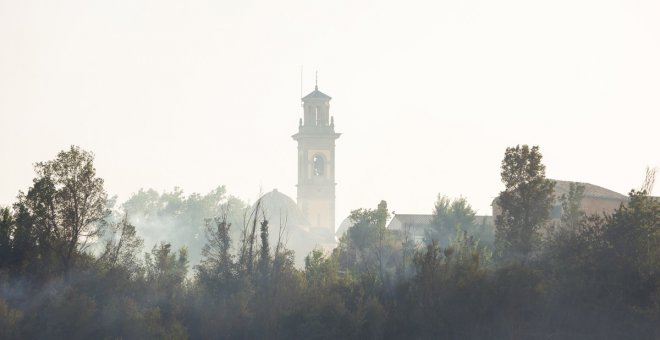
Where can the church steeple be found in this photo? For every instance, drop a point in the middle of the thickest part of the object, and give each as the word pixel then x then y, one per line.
pixel 316 162
pixel 316 108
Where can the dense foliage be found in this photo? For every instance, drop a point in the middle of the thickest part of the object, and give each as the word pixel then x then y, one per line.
pixel 524 204
pixel 178 218
pixel 591 277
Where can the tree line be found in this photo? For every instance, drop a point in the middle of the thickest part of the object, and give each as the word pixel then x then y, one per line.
pixel 70 268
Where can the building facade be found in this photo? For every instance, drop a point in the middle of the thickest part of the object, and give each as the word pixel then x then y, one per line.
pixel 596 200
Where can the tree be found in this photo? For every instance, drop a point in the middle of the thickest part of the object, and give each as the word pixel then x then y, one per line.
pixel 122 247
pixel 163 266
pixel 448 217
pixel 166 275
pixel 264 253
pixel 217 265
pixel 9 321
pixel 525 202
pixel 445 293
pixel 571 212
pixel 6 229
pixel 180 219
pixel 66 205
pixel 368 246
pixel 369 225
pixel 604 275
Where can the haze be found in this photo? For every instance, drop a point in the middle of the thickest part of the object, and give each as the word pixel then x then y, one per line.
pixel 427 96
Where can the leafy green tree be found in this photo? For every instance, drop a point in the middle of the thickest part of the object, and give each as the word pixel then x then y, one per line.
pixel 65 208
pixel 448 294
pixel 166 275
pixel 448 217
pixel 633 240
pixel 524 205
pixel 321 271
pixel 368 225
pixel 264 253
pixel 571 212
pixel 368 246
pixel 180 219
pixel 122 247
pixel 217 269
pixel 163 266
pixel 7 225
pixel 223 296
pixel 24 252
pixel 604 275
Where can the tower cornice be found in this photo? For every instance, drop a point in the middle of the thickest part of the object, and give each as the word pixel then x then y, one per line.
pixel 316 135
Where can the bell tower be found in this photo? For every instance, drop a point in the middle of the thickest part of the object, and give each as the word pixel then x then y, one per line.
pixel 316 162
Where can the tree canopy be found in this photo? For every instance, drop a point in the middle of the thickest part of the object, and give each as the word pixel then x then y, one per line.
pixel 524 205
pixel 595 277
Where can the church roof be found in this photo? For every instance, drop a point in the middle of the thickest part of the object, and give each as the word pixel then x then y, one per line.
pixel 344 225
pixel 316 94
pixel 280 208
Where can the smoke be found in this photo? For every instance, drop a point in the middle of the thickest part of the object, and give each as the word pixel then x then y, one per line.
pixel 179 219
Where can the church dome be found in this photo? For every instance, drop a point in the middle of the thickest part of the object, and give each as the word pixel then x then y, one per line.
pixel 344 226
pixel 280 208
pixel 282 212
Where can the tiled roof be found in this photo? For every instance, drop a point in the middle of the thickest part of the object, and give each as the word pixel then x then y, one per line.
pixel 590 190
pixel 316 94
pixel 420 220
pixel 413 219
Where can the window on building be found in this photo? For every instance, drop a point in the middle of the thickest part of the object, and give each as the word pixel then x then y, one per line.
pixel 318 165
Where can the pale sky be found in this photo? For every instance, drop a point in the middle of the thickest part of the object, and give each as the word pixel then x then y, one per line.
pixel 427 95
